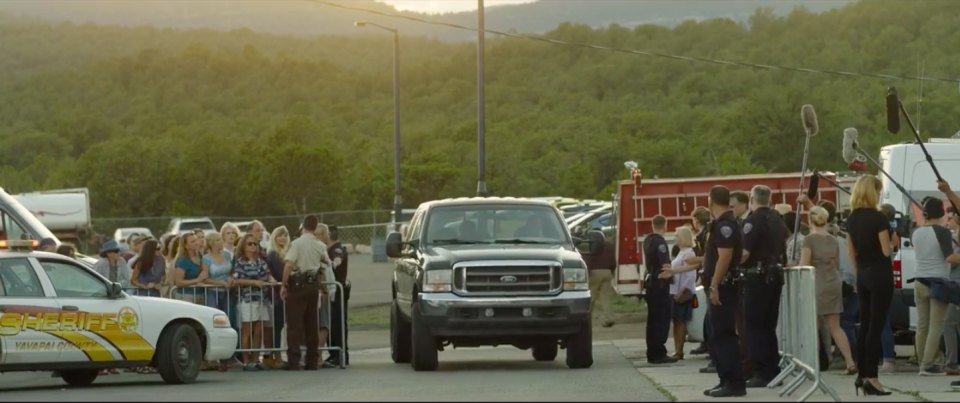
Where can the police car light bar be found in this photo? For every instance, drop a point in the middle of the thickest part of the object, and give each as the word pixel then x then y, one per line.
pixel 19 245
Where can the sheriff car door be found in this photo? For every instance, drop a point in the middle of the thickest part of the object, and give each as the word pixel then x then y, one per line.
pixel 27 311
pixel 110 327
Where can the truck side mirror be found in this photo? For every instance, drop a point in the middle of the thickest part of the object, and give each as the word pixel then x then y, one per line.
pixel 597 241
pixel 394 244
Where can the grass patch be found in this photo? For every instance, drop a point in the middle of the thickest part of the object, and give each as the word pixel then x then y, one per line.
pixel 377 317
pixel 916 395
pixel 626 305
pixel 373 317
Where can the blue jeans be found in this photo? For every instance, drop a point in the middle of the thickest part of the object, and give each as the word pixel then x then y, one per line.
pixel 886 341
pixel 850 317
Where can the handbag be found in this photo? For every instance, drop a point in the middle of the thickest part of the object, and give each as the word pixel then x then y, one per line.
pixel 683 296
pixel 847 289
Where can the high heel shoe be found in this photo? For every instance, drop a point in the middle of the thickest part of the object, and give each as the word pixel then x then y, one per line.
pixel 857 385
pixel 870 390
pixel 852 370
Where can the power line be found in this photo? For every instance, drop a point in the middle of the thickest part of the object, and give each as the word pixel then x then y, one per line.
pixel 643 52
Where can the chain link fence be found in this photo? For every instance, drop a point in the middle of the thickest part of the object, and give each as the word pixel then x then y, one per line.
pixel 358 228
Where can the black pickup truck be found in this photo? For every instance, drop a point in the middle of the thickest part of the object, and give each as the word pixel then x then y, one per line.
pixel 490 271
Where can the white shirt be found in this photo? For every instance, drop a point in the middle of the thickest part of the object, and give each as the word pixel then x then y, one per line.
pixel 686 279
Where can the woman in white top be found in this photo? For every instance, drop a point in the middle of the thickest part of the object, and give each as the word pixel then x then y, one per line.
pixel 682 288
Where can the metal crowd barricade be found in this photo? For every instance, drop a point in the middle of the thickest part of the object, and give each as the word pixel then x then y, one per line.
pixel 228 300
pixel 798 334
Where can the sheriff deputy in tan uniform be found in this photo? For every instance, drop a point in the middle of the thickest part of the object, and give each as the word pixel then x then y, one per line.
pixel 302 275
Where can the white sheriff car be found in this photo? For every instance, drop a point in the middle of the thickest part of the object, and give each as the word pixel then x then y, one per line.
pixel 56 314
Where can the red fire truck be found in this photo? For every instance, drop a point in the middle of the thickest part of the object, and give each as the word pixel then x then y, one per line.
pixel 639 200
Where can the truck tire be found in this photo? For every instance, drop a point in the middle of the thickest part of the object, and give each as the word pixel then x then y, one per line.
pixel 424 346
pixel 546 351
pixel 179 354
pixel 399 336
pixel 580 347
pixel 79 377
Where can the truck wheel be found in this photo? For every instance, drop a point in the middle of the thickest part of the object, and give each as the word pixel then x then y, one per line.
pixel 179 354
pixel 424 345
pixel 546 351
pixel 399 336
pixel 79 377
pixel 580 347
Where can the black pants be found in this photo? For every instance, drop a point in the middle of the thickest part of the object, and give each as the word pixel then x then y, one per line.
pixel 707 328
pixel 875 287
pixel 724 342
pixel 303 324
pixel 658 321
pixel 335 318
pixel 762 303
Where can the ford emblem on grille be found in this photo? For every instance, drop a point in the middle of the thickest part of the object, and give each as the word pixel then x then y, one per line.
pixel 508 279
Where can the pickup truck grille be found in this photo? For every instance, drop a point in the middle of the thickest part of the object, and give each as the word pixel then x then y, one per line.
pixel 505 280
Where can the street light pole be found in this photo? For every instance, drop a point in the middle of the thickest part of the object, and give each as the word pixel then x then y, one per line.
pixel 397 199
pixel 481 154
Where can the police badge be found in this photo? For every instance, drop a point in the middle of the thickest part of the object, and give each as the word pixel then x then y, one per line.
pixel 726 231
pixel 747 228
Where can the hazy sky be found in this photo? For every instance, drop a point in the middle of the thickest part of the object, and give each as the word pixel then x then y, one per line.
pixel 445 6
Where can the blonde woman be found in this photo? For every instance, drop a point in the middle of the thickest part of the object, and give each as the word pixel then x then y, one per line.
pixel 217 262
pixel 276 251
pixel 822 251
pixel 229 232
pixel 188 269
pixel 251 274
pixel 170 254
pixel 870 248
pixel 682 288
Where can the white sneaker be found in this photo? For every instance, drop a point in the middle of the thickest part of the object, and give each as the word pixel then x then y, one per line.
pixel 933 370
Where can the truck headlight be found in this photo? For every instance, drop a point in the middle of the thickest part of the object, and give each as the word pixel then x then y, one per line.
pixel 221 320
pixel 437 280
pixel 575 279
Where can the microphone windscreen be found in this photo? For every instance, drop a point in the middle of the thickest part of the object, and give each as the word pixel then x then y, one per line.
pixel 850 145
pixel 809 117
pixel 814 185
pixel 893 111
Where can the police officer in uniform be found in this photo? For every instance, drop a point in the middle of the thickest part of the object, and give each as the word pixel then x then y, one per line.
pixel 723 251
pixel 764 254
pixel 657 257
pixel 302 276
pixel 340 260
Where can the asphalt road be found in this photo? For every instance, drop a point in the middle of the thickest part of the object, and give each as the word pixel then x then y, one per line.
pixel 477 374
pixel 370 281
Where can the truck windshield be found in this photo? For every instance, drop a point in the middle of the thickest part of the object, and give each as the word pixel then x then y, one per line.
pixel 487 224
pixel 192 225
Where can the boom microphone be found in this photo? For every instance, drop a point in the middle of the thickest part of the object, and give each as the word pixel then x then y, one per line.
pixel 855 161
pixel 811 127
pixel 893 111
pixel 809 117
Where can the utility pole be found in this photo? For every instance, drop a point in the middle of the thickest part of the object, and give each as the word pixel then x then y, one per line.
pixel 481 154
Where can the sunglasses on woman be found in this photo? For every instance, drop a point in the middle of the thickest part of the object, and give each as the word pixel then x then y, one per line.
pixel 251 243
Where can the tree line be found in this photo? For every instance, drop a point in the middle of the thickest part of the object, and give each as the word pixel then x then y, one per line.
pixel 168 122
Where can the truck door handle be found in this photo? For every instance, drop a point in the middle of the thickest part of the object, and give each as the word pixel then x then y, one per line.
pixel 71 308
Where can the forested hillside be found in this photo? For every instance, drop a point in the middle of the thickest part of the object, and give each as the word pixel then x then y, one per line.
pixel 160 122
pixel 307 17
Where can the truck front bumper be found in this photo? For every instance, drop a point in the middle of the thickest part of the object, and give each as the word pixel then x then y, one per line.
pixel 448 314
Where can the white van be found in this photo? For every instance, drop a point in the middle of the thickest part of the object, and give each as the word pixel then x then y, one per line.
pixel 907 164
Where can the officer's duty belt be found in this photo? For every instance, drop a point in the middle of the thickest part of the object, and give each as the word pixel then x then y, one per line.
pixel 762 272
pixel 298 279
